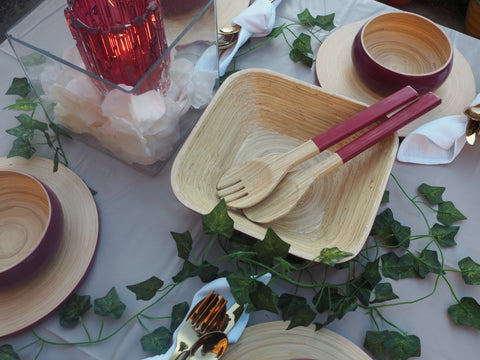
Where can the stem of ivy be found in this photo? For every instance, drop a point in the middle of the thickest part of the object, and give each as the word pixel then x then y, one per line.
pixel 85 328
pixel 165 291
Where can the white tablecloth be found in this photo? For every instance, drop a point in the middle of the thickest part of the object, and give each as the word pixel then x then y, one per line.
pixel 138 212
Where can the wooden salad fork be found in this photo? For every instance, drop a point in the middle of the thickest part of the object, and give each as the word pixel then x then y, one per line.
pixel 295 185
pixel 251 181
pixel 208 315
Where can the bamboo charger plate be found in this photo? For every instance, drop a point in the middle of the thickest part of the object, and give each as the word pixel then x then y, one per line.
pixel 335 72
pixel 271 341
pixel 25 304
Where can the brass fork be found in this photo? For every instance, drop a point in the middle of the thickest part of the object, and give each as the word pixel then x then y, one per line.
pixel 208 315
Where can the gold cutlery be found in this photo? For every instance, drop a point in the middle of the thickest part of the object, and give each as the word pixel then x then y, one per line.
pixel 473 126
pixel 207 316
pixel 210 346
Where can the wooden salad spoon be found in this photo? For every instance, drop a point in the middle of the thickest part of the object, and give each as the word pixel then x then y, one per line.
pixel 251 181
pixel 295 185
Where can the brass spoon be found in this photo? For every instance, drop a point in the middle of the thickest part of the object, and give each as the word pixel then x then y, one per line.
pixel 473 126
pixel 229 35
pixel 210 346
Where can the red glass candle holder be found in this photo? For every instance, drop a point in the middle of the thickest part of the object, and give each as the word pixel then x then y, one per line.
pixel 180 7
pixel 121 41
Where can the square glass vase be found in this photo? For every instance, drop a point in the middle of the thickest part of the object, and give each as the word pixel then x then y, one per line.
pixel 142 125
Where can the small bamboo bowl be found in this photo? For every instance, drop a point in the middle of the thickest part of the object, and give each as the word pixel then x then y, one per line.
pixel 260 112
pixel 397 49
pixel 31 224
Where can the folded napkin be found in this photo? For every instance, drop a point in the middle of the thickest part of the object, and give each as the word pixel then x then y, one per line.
pixel 220 286
pixel 436 142
pixel 255 21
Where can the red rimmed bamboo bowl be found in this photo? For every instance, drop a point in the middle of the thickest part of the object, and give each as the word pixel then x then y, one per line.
pixel 31 226
pixel 397 49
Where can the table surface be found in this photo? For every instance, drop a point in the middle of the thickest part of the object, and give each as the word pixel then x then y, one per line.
pixel 138 212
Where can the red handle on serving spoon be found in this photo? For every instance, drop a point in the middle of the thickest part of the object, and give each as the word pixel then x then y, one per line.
pixel 364 118
pixel 411 112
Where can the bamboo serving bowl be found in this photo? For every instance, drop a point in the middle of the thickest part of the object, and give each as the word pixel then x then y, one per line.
pixel 31 224
pixel 397 49
pixel 259 112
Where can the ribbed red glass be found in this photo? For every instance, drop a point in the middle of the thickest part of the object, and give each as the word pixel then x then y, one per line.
pixel 120 40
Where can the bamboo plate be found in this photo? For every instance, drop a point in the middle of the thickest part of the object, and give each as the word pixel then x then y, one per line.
pixel 335 72
pixel 259 112
pixel 28 303
pixel 271 341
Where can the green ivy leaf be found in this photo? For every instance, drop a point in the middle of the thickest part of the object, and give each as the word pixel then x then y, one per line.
pixel 297 56
pixel 33 59
pixel 362 286
pixel 158 341
pixel 432 193
pixel 21 147
pixel 470 271
pixel 218 222
pixel 20 87
pixel 445 235
pixel 29 123
pixel 303 316
pixel 390 230
pixel 22 105
pixel 75 307
pixel 331 256
pixel 386 197
pixel 276 31
pixel 374 343
pixel 289 303
pixel 179 311
pixel 396 268
pixel 325 22
pixel 188 270
pixel 305 17
pixel 466 312
pixel 271 247
pixel 384 292
pixel 263 298
pixel 7 353
pixel 448 213
pixel 393 344
pixel 335 303
pixel 241 285
pixel 110 305
pixel 295 309
pixel 240 242
pixel 21 132
pixel 184 244
pixel 401 347
pixel 303 43
pixel 208 272
pixel 147 289
pixel 428 262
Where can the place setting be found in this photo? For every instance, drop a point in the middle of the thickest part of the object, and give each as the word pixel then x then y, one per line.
pixel 50 257
pixel 216 327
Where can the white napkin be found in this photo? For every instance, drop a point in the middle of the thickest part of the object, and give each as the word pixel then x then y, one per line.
pixel 220 286
pixel 436 142
pixel 256 21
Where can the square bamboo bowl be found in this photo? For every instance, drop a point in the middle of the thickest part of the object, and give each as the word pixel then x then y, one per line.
pixel 260 112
